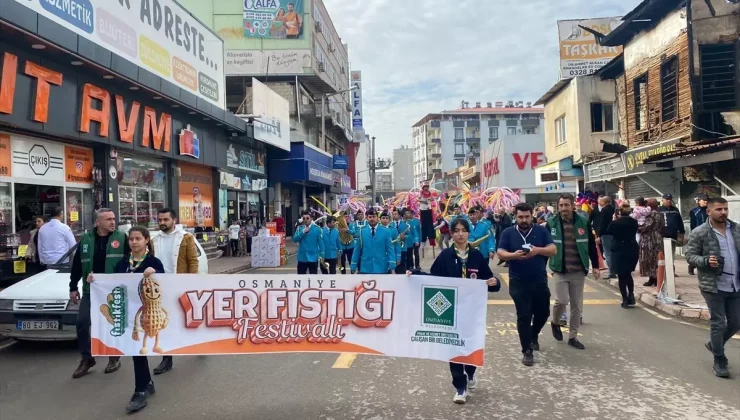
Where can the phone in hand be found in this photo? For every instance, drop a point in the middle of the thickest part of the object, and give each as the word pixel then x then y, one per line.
pixel 526 248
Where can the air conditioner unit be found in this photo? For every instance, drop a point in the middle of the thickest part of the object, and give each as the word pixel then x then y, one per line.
pixel 321 67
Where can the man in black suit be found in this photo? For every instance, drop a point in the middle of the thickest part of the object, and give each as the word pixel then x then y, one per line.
pixel 601 224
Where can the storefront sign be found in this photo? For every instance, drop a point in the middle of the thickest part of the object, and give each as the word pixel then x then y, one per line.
pixel 356 80
pixel 196 195
pixel 158 35
pixel 534 159
pixel 320 174
pixel 580 52
pixel 245 159
pixel 435 318
pixel 634 157
pixel 37 159
pixel 259 184
pixel 340 162
pixel 6 168
pixel 490 168
pixel 346 184
pixel 230 181
pixel 273 125
pixel 189 143
pixel 78 164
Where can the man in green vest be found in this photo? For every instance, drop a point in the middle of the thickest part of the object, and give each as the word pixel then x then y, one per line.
pixel 576 247
pixel 98 252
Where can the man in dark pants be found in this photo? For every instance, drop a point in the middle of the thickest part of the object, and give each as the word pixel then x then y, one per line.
pixel 603 218
pixel 527 246
pixel 309 238
pixel 98 252
pixel 698 217
pixel 714 248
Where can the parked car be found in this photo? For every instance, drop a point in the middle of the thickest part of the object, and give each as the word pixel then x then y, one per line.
pixel 39 309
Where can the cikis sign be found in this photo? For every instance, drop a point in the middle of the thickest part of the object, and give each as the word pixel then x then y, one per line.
pixel 533 160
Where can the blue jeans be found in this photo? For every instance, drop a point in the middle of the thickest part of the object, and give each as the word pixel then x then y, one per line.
pixel 606 243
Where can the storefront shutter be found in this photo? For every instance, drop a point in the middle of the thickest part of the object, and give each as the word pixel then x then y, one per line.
pixel 635 187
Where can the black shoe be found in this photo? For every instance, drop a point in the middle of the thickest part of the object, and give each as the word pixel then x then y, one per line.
pixel 137 402
pixel 691 271
pixel 625 305
pixel 83 367
pixel 612 276
pixel 720 368
pixel 114 363
pixel 650 283
pixel 164 366
pixel 556 331
pixel 573 342
pixel 528 359
pixel 631 299
pixel 535 345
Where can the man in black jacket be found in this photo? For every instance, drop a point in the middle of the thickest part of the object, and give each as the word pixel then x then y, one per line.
pixel 673 222
pixel 601 224
pixel 698 217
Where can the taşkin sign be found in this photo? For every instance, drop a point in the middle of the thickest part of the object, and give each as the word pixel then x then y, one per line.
pixel 430 317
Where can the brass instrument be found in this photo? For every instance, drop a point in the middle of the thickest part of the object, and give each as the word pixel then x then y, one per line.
pixel 324 264
pixel 408 228
pixel 479 241
pixel 345 237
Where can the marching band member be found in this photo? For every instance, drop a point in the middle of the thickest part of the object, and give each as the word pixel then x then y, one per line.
pixel 374 252
pixel 348 248
pixel 403 229
pixel 457 213
pixel 412 241
pixel 308 236
pixel 462 261
pixel 332 246
pixel 478 230
pixel 385 220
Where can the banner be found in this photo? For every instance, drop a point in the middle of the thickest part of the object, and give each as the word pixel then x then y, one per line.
pixel 273 19
pixel 392 315
pixel 580 53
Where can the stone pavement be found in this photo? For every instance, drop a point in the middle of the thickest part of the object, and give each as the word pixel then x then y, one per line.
pixel 691 305
pixel 231 265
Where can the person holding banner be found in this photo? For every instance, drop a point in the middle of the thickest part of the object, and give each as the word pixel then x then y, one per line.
pixel 332 246
pixel 374 252
pixel 463 261
pixel 140 260
pixel 310 242
pixel 385 220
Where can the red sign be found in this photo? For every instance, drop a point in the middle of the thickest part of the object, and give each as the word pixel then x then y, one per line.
pixel 535 158
pixel 490 168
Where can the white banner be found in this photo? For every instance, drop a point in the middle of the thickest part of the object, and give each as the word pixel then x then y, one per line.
pixel 268 62
pixel 393 315
pixel 273 124
pixel 158 35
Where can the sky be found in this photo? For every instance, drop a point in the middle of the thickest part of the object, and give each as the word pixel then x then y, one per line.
pixel 424 56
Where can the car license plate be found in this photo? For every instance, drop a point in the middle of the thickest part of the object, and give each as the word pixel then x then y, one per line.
pixel 38 325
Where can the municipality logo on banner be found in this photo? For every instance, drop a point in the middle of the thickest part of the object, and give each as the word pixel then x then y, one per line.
pixel 439 309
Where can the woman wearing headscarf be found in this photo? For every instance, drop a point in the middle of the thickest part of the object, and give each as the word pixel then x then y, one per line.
pixel 651 242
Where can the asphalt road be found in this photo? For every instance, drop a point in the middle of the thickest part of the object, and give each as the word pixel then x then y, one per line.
pixel 637 364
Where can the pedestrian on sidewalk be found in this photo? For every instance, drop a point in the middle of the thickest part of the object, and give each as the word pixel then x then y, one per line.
pixel 141 259
pixel 234 237
pixel 308 236
pixel 576 248
pixel 625 252
pixel 251 233
pixel 603 217
pixel 527 247
pixel 462 261
pixel 651 243
pixel 178 253
pixel 698 216
pixel 714 248
pixel 55 239
pixel 374 253
pixel 673 224
pixel 332 246
pixel 98 252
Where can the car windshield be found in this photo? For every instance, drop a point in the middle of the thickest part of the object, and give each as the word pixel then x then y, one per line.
pixel 64 265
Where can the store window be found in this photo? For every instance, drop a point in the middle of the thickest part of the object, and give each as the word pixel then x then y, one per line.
pixel 140 191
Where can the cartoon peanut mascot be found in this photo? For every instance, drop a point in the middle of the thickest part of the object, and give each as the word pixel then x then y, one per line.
pixel 152 317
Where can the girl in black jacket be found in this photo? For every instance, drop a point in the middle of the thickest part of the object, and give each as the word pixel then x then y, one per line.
pixel 141 260
pixel 464 261
pixel 625 252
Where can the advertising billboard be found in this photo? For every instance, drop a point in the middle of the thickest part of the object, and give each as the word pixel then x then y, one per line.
pixel 159 36
pixel 273 123
pixel 268 62
pixel 580 54
pixel 273 19
pixel 357 128
pixel 195 187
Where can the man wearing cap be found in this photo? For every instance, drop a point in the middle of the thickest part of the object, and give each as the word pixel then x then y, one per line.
pixel 374 252
pixel 698 217
pixel 673 222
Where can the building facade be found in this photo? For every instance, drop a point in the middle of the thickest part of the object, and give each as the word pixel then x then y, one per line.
pixel 403 169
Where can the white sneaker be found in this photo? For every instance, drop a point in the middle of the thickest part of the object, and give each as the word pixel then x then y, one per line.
pixel 472 383
pixel 460 396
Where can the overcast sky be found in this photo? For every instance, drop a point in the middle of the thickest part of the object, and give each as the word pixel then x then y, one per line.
pixel 424 56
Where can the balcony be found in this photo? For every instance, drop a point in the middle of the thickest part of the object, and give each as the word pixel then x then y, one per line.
pixel 459 140
pixel 436 155
pixel 436 140
pixel 472 140
pixel 436 124
pixel 437 171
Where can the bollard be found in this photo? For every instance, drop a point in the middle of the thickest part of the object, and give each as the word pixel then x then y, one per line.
pixel 661 270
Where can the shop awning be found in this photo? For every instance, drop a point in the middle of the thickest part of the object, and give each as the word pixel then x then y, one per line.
pixel 300 170
pixel 703 148
pixel 561 170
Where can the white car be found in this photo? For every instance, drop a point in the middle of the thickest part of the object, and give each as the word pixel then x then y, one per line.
pixel 38 308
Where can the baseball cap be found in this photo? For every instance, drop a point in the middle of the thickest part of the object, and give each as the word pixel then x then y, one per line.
pixel 668 196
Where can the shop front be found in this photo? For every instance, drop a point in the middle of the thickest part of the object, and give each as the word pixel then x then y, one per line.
pixel 647 180
pixel 242 175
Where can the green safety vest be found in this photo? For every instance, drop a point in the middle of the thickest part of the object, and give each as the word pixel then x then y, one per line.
pixel 114 254
pixel 581 235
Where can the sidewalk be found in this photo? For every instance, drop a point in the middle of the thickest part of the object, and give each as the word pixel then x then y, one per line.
pixel 691 306
pixel 231 265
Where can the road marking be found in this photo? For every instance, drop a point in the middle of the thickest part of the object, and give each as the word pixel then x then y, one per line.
pixel 552 302
pixel 344 361
pixel 655 314
pixel 6 345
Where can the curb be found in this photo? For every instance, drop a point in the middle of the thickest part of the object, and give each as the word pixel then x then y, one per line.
pixel 651 300
pixel 245 267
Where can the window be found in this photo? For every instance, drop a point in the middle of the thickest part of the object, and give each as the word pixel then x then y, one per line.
pixel 532 130
pixel 511 131
pixel 602 117
pixel 459 149
pixel 560 130
pixel 493 133
pixel 640 85
pixel 459 162
pixel 669 88
pixel 719 87
pixel 459 134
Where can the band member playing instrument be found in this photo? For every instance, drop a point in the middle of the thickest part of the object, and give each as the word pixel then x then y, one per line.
pixel 332 247
pixel 308 236
pixel 403 230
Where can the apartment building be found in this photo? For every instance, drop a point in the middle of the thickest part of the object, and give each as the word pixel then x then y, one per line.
pixel 446 141
pixel 403 169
